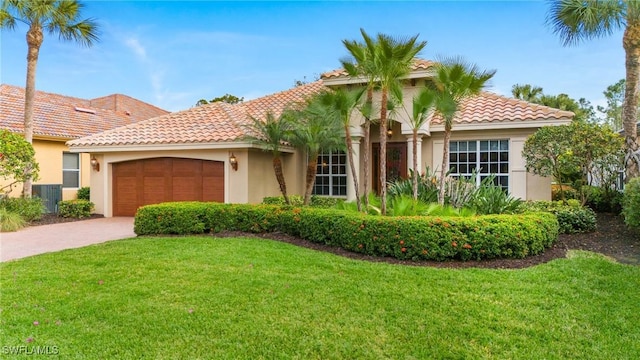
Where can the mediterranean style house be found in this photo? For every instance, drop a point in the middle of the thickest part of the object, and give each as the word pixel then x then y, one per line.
pixel 201 153
pixel 58 119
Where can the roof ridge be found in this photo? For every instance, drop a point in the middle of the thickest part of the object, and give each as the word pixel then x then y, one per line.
pixel 528 103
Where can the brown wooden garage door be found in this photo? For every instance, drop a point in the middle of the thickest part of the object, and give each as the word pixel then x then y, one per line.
pixel 151 181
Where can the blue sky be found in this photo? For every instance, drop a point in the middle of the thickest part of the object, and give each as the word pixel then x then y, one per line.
pixel 173 53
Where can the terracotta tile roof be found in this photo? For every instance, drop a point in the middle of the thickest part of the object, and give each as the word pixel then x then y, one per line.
pixel 222 122
pixel 418 64
pixel 489 107
pixel 69 117
pixel 215 122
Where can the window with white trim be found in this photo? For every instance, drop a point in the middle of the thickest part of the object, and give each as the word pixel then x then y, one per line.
pixel 331 176
pixel 486 157
pixel 70 170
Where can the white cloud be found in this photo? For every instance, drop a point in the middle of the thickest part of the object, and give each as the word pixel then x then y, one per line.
pixel 137 48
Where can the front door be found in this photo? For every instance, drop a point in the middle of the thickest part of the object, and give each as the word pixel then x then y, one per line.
pixel 396 163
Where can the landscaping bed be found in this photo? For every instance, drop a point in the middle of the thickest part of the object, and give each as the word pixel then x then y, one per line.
pixel 611 238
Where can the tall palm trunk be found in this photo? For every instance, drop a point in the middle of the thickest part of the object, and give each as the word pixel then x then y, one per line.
pixel 34 41
pixel 354 174
pixel 631 44
pixel 445 156
pixel 311 177
pixel 383 152
pixel 277 168
pixel 366 153
pixel 415 164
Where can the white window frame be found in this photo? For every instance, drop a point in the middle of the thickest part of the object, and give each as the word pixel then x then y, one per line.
pixel 497 157
pixel 334 172
pixel 68 170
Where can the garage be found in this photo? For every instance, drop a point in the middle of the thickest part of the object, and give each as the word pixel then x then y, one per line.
pixel 152 181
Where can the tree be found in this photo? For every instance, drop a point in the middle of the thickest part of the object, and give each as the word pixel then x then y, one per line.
pixel 547 152
pixel 269 134
pixel 17 160
pixel 60 17
pixel 527 92
pixel 388 60
pixel 362 64
pixel 577 20
pixel 582 108
pixel 613 112
pixel 316 128
pixel 344 102
pixel 226 98
pixel 585 148
pixel 454 82
pixel 421 105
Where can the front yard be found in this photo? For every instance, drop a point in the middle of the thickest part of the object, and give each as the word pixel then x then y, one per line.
pixel 205 297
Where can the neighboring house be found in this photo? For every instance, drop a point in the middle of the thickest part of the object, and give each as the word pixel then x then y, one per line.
pixel 58 119
pixel 188 155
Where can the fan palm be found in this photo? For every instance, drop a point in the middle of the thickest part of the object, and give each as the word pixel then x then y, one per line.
pixel 421 105
pixel 60 17
pixel 361 64
pixel 316 128
pixel 527 92
pixel 344 103
pixel 270 134
pixel 387 60
pixel 454 81
pixel 577 20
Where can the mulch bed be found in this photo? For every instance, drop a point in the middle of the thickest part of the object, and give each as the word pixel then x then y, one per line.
pixel 612 238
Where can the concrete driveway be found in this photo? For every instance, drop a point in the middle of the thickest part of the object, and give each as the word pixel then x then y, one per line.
pixel 36 240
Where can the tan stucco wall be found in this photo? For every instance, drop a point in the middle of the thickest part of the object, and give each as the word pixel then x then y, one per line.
pixel 49 158
pixel 521 184
pixel 262 179
pixel 236 182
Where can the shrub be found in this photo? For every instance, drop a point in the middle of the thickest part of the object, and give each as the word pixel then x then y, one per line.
pixel 29 209
pixel 413 238
pixel 10 221
pixel 490 198
pixel 603 200
pixel 297 200
pixel 572 217
pixel 631 203
pixel 75 208
pixel 84 193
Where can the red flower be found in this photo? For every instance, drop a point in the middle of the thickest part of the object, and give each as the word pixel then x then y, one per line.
pixel 403 249
pixel 401 242
pixel 454 244
pixel 466 246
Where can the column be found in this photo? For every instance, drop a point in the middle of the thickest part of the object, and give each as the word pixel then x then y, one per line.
pixel 351 193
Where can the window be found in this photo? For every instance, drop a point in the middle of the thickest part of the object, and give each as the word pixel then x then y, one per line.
pixel 486 157
pixel 70 170
pixel 331 176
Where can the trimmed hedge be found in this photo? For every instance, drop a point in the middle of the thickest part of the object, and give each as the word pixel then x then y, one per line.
pixel 572 218
pixel 408 238
pixel 631 203
pixel 297 200
pixel 75 208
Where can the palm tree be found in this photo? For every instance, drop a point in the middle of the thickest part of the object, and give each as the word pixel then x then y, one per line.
pixel 316 128
pixel 344 103
pixel 577 20
pixel 362 64
pixel 454 82
pixel 270 134
pixel 60 17
pixel 421 105
pixel 387 60
pixel 527 92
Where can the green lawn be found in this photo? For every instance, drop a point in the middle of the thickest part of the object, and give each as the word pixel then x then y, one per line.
pixel 200 297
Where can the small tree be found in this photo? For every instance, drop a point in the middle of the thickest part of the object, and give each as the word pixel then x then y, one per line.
pixel 226 98
pixel 316 128
pixel 548 152
pixel 17 160
pixel 269 134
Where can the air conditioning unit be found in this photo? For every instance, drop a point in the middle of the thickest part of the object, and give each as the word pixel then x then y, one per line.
pixel 50 194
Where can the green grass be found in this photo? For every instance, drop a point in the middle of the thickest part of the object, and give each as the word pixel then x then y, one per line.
pixel 200 297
